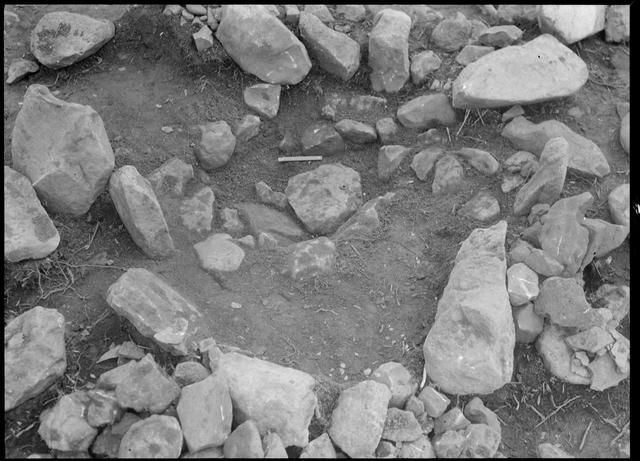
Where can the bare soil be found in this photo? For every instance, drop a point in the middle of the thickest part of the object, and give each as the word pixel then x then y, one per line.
pixel 380 302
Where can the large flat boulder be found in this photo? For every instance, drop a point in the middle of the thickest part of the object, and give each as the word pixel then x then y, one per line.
pixel 279 399
pixel 62 38
pixel 140 212
pixel 29 233
pixel 155 309
pixel 584 155
pixel 325 197
pixel 571 23
pixel 540 70
pixel 336 52
pixel 34 354
pixel 262 45
pixel 469 349
pixel 389 51
pixel 63 149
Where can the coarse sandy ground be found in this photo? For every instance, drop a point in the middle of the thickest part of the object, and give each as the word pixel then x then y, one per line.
pixel 380 302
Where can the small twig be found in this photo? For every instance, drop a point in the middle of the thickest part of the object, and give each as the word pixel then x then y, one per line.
pixel 584 436
pixel 536 411
pixel 557 410
pixel 354 249
pixel 326 310
pixel 94 265
pixel 615 439
pixel 449 135
pixel 295 351
pixel 466 116
pixel 424 378
pixel 29 427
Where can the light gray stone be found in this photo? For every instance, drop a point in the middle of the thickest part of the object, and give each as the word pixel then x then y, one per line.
pixel 248 128
pixel 422 64
pixel 358 132
pixel 107 442
pixel 34 354
pixel 471 53
pixel 625 133
pixel 528 324
pixel 320 11
pixel 452 33
pixel 448 176
pixel 500 36
pixel 354 13
pixel 364 104
pixel 196 213
pixel 216 145
pixel 387 130
pixel 401 426
pixel 187 373
pixel 156 436
pixel 244 442
pixel 616 299
pixel 262 219
pixel 563 301
pixel 604 373
pixel 483 207
pixel 321 139
pixel 308 259
pixel 273 446
pixel 424 161
pixel 420 448
pixel 102 408
pixel 263 98
pixel 604 237
pixel 366 221
pixel 218 253
pixel 452 420
pixel 477 413
pixel 435 403
pixel 63 149
pixel 591 340
pixel 481 160
pixel 231 220
pixel 571 23
pixel 203 39
pixel 522 284
pixel 320 447
pixel 549 450
pixel 20 68
pixel 619 205
pixel 389 51
pixel 427 112
pixel 399 381
pixel 389 159
pixel 63 427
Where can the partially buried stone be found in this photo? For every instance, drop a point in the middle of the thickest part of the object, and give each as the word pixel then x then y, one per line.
pixel 615 298
pixel 423 64
pixel 310 258
pixel 557 357
pixel 196 213
pixel 401 426
pixel 248 128
pixel 395 376
pixel 321 139
pixel 216 145
pixel 423 161
pixel 263 98
pixel 482 207
pixel 500 36
pixel 389 159
pixel 366 221
pixel 231 220
pixel 29 233
pixel 357 132
pixel 549 450
pixel 415 406
pixel 270 197
pixel 452 33
pixel 604 373
pixel 427 112
pixel 156 436
pixel 262 219
pixel 471 53
pixel 387 130
pixel 219 253
pixel 571 23
pixel 420 448
pixel 476 412
pixel 64 427
pixel 448 176
pixel 203 39
pixel 481 160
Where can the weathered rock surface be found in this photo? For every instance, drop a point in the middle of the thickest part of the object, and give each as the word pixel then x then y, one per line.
pixel 325 197
pixel 171 177
pixel 483 207
pixel 616 299
pixel 203 39
pixel 448 175
pixel 63 427
pixel 528 324
pixel 477 413
pixel 427 112
pixel 320 447
pixel 277 398
pixel 108 441
pixel 29 233
pixel 452 33
pixel 244 442
pixel 557 356
pixel 34 354
pixel 364 104
pixel 320 11
pixel 389 159
pixel 273 446
pixel 625 133
pixel 545 186
pixel 571 23
pixel 20 68
pixel 500 36
pixel 584 155
pixel 422 64
pixel 469 349
pixel 205 413
pixel 196 212
pixel 310 258
pixel 231 220
pixel 262 219
pixel 604 237
pixel 564 302
pixel 366 221
pixel 61 38
pixel 420 448
pixel 262 45
pixel 387 130
pixel 399 381
pixel 618 23
pixel 268 196
pixel 591 340
pixel 471 53
pixel 424 161
pixel 435 403
pixel 216 145
pixel 154 308
pixel 140 212
pixel 389 51
pixel 102 408
pixel 536 259
pixel 146 387
pixel 335 52
pixel 109 380
pixel 357 132
pixel 401 426
pixel 219 253
pixel 63 149
pixel 248 128
pixel 518 13
pixel 321 139
pixel 358 420
pixel 540 70
pixel 187 373
pixel 619 205
pixel 522 284
pixel 263 98
pixel 549 450
pixel 452 420
pixel 351 12
pixel 157 436
pixel 481 160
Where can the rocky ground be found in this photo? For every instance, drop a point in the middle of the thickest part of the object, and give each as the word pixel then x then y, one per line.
pixel 317 231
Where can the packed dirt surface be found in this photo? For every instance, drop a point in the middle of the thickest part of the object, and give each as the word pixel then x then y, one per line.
pixel 380 302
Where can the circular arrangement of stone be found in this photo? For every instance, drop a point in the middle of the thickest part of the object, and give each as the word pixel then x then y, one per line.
pixel 137 410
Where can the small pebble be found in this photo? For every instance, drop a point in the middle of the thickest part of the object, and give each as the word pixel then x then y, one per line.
pixel 167 129
pixel 235 305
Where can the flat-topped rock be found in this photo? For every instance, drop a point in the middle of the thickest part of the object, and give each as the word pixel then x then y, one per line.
pixel 60 39
pixel 63 149
pixel 584 155
pixel 140 212
pixel 29 233
pixel 325 197
pixel 355 131
pixel 448 176
pixel 154 308
pixel 480 159
pixel 500 36
pixel 335 52
pixel 540 70
pixel 262 45
pixel 389 51
pixel 34 354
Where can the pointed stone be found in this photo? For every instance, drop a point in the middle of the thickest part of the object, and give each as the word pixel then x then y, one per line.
pixel 424 161
pixel 389 51
pixel 273 446
pixel 477 413
pixel 366 221
pixel 401 426
pixel 591 340
pixel 203 39
pixel 321 139
pixel 522 284
pixel 320 447
pixel 604 237
pixel 262 219
pixel 20 68
pixel 471 53
pixel 263 98
pixel 389 159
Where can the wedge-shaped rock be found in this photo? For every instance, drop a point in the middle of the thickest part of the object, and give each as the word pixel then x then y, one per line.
pixel 427 112
pixel 263 98
pixel 64 427
pixel 604 237
pixel 357 132
pixel 262 45
pixel 540 70
pixel 522 284
pixel 140 212
pixel 469 349
pixel 366 221
pixel 480 159
pixel 448 175
pixel 358 420
pixel 389 159
pixel 108 442
pixel 325 197
pixel 205 413
pixel 61 38
pixel 20 68
pixel 157 436
pixel 389 51
pixel 571 23
pixel 34 354
pixel 63 149
pixel 263 219
pixel 310 258
pixel 584 155
pixel 155 309
pixel 545 186
pixel 424 161
pixel 29 233
pixel 273 446
pixel 401 426
pixel 277 398
pixel 320 447
pixel 336 52
pixel 244 442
